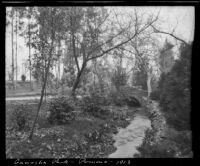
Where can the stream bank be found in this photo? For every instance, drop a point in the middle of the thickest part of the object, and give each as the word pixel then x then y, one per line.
pixel 128 139
pixel 163 141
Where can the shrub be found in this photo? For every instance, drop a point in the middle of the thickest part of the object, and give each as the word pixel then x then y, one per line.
pixel 174 90
pixel 140 77
pixel 23 77
pixel 116 97
pixel 131 101
pixel 175 145
pixel 95 96
pixel 149 149
pixel 119 77
pixel 61 111
pixel 156 151
pixel 20 117
pixel 155 95
pixel 96 110
pixel 94 137
pixel 98 95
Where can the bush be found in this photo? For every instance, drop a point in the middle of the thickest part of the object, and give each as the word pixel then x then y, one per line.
pixel 95 96
pixel 23 77
pixel 20 117
pixel 61 111
pixel 140 77
pixel 149 149
pixel 155 95
pixel 156 151
pixel 174 145
pixel 119 77
pixel 96 110
pixel 94 137
pixel 116 97
pixel 98 95
pixel 183 141
pixel 174 90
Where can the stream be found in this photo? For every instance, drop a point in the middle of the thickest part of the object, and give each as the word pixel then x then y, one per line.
pixel 128 139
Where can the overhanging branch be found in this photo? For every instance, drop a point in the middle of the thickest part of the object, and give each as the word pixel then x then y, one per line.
pixel 167 33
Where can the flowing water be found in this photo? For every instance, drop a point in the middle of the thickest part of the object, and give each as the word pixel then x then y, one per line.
pixel 128 139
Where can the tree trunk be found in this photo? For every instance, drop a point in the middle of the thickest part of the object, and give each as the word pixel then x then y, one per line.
pixel 44 86
pixel 45 94
pixel 149 89
pixel 78 79
pixel 13 82
pixel 31 87
pixel 74 51
pixel 16 48
pixel 76 82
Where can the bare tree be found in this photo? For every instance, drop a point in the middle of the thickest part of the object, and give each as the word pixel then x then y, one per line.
pixel 143 44
pixel 93 45
pixel 156 30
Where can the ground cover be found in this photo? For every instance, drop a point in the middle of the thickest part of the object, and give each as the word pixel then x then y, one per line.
pixel 86 136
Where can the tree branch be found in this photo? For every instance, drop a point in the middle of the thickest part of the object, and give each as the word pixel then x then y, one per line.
pixel 108 50
pixel 167 33
pixel 124 42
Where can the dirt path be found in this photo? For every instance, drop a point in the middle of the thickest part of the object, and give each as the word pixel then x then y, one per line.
pixel 25 98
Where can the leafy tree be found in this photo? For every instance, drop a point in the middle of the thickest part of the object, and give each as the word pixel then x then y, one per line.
pixel 174 90
pixel 49 21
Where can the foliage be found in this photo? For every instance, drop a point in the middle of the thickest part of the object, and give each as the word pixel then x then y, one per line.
pixel 20 117
pixel 131 101
pixel 183 141
pixel 123 96
pixel 119 77
pixel 60 111
pixel 99 97
pixel 23 77
pixel 69 76
pixel 96 110
pixel 116 97
pixel 177 144
pixel 149 149
pixel 94 137
pixel 140 77
pixel 174 90
pixel 94 94
pixel 155 95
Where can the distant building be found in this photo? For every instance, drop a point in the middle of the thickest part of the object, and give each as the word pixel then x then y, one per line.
pixel 166 57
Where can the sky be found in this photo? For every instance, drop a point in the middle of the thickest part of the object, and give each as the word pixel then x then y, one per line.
pixel 181 17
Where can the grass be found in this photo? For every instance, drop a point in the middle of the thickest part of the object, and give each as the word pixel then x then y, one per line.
pixel 68 141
